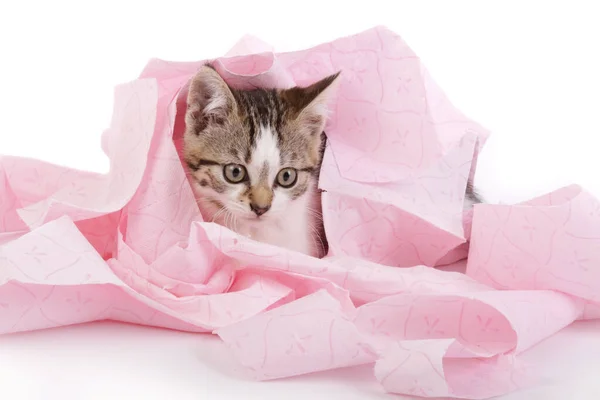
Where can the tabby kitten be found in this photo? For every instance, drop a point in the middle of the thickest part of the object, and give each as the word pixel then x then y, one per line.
pixel 255 157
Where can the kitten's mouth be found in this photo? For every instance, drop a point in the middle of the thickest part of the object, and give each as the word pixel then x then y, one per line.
pixel 247 215
pixel 256 218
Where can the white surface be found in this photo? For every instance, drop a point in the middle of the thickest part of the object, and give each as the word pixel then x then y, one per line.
pixel 529 72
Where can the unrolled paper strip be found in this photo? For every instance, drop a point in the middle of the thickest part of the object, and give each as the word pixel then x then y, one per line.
pixel 131 245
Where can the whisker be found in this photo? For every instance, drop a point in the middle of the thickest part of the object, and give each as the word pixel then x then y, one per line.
pixel 316 235
pixel 235 225
pixel 217 214
pixel 230 221
pixel 314 212
pixel 227 219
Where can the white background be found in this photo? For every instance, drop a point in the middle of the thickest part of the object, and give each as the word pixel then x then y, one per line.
pixel 527 70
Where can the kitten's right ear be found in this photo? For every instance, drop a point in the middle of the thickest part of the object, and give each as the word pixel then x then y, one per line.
pixel 311 103
pixel 209 99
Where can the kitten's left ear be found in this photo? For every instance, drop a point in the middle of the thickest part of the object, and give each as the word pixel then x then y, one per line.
pixel 311 103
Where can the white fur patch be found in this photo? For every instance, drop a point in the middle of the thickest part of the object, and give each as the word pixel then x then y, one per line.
pixel 266 152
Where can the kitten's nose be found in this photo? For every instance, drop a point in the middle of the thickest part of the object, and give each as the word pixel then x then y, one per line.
pixel 259 210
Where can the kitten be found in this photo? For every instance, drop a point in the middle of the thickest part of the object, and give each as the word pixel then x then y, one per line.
pixel 255 158
pixel 472 196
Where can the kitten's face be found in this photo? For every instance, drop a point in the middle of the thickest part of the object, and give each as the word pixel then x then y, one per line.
pixel 253 153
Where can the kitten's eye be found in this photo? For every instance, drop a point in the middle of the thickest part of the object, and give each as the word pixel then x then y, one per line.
pixel 234 173
pixel 287 177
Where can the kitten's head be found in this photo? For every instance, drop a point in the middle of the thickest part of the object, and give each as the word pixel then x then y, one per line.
pixel 252 153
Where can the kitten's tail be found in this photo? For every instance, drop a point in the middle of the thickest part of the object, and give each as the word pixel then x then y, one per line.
pixel 473 195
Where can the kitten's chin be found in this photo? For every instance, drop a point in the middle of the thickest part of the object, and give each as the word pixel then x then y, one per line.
pixel 254 219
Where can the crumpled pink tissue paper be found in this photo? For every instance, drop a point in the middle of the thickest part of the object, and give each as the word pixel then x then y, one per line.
pixel 131 245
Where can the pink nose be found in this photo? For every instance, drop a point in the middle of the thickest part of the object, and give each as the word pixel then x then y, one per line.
pixel 259 210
